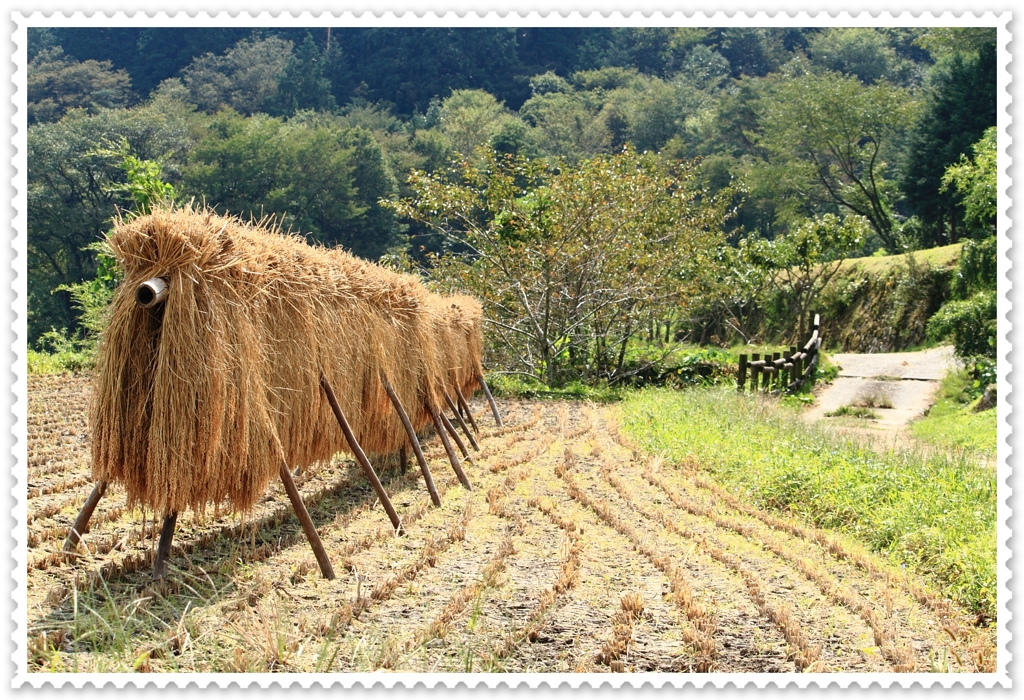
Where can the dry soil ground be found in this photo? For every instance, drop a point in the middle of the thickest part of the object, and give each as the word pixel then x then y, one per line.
pixel 573 552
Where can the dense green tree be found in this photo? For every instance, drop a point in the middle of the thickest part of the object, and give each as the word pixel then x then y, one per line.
pixel 654 113
pixel 244 78
pixel 800 263
pixel 313 176
pixel 681 109
pixel 906 42
pixel 40 39
pixel 959 104
pixel 409 66
pixel 469 118
pixel 302 83
pixel 149 54
pixel 567 125
pixel 258 166
pixel 513 138
pixel 977 182
pixel 544 49
pixel 861 51
pixel 570 261
pixel 704 68
pixel 145 189
pixel 946 41
pixel 377 229
pixel 338 72
pixel 548 82
pixel 970 317
pixel 74 189
pixel 434 148
pixel 396 138
pixel 751 51
pixel 610 78
pixel 737 123
pixel 831 139
pixel 651 50
pixel 58 83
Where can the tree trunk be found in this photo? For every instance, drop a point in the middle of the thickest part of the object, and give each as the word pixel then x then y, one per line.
pixel 549 366
pixel 622 351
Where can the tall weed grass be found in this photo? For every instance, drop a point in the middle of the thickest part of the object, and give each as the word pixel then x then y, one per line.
pixel 952 424
pixel 935 514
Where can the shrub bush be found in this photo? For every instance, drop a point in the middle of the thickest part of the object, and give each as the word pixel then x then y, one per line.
pixel 970 322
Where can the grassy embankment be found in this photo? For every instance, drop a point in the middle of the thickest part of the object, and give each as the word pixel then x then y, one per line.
pixel 935 514
pixel 943 256
pixel 952 424
pixel 882 304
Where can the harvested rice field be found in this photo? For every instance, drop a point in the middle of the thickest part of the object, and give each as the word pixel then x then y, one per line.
pixel 573 552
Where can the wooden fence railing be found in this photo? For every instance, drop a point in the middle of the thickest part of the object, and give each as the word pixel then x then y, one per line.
pixel 782 372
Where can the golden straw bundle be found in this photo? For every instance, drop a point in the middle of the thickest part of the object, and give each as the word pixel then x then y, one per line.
pixel 198 399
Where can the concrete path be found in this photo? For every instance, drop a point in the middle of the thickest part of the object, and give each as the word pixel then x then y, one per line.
pixel 899 387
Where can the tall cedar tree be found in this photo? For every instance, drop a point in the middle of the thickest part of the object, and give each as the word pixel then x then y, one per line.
pixel 960 105
pixel 303 84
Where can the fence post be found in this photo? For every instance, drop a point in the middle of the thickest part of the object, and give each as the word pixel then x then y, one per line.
pixel 777 371
pixel 812 361
pixel 817 358
pixel 741 374
pixel 755 372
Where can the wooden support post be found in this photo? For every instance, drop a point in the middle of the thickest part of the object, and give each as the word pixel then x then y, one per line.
pixel 755 374
pixel 413 440
pixel 403 459
pixel 490 400
pixel 777 374
pixel 439 427
pixel 465 409
pixel 455 436
pixel 307 524
pixel 814 360
pixel 163 550
pixel 360 455
pixel 462 423
pixel 82 521
pixel 741 373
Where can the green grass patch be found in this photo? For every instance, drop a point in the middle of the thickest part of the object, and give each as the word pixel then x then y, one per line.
pixel 647 364
pixel 677 364
pixel 519 386
pixel 58 353
pixel 944 256
pixel 853 412
pixel 952 424
pixel 935 514
pixel 58 363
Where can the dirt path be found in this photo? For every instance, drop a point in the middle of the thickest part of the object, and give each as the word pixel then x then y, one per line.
pixel 897 387
pixel 572 552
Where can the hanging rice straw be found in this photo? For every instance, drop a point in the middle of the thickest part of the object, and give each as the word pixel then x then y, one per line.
pixel 200 395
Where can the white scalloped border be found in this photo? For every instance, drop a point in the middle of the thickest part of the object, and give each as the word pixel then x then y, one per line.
pixel 1001 20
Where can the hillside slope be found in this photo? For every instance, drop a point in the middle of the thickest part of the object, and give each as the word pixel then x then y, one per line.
pixel 882 304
